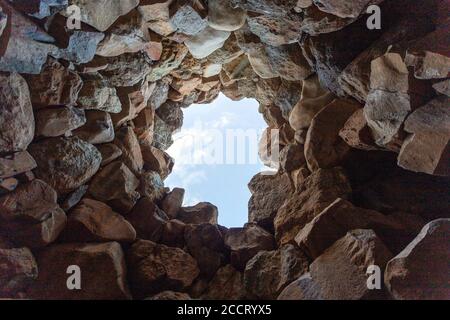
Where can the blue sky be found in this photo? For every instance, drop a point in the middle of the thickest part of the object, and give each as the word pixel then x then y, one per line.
pixel 224 185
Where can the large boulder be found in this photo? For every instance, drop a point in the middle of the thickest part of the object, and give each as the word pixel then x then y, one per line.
pixel 341 272
pixel 16 114
pixel 188 21
pixel 313 99
pixel 55 85
pixel 324 148
pixel 25 46
pixel 203 212
pixel 148 220
pixel 30 215
pixel 227 284
pixel 151 185
pixel 98 94
pixel 57 121
pixel 420 271
pixel 172 202
pixel 101 268
pixel 341 216
pixel 97 129
pixel 116 185
pixel 206 244
pixel 269 272
pixel 427 148
pixel 127 141
pixel 94 221
pixel 269 192
pixel 16 163
pixel 126 35
pixel 304 288
pixel 223 16
pixel 244 243
pixel 65 163
pixel 206 42
pixel 318 191
pixel 154 268
pixel 109 152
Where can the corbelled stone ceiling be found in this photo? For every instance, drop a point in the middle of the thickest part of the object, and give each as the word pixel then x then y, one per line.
pixel 92 91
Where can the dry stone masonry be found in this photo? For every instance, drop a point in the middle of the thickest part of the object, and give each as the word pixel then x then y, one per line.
pixel 88 108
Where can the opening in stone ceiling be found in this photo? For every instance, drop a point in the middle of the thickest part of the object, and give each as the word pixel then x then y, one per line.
pixel 216 156
pixel 92 94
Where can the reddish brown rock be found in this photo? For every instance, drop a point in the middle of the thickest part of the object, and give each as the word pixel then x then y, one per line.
pixel 16 114
pixel 227 284
pixel 341 271
pixel 58 121
pixel 102 267
pixel 18 269
pixel 269 272
pixel 133 100
pixel 73 198
pixel 389 73
pixel 420 271
pixel 313 99
pixel 155 268
pixel 30 215
pixel 206 244
pixel 55 85
pixel 173 233
pixel 172 202
pixel 427 147
pixel 304 288
pixel 116 185
pixel 318 191
pixel 148 220
pixel 109 152
pixel 246 242
pixel 323 147
pixel 356 133
pixel 203 212
pixel 429 65
pixel 15 164
pixel 94 221
pixel 292 157
pixel 127 141
pixel 144 125
pixel 341 216
pixel 269 192
pixel 97 129
pixel 65 163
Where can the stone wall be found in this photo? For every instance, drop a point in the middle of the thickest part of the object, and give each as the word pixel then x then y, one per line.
pixel 86 115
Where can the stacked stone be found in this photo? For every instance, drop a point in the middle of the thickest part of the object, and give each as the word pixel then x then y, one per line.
pixel 87 114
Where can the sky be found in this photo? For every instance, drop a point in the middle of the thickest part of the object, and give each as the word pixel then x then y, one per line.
pixel 204 167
